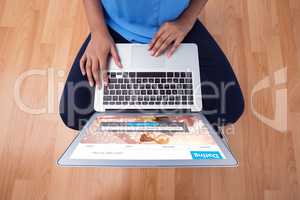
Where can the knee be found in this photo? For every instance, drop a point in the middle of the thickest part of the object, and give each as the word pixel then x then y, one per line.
pixel 74 120
pixel 73 117
pixel 235 108
pixel 68 123
pixel 66 112
pixel 64 115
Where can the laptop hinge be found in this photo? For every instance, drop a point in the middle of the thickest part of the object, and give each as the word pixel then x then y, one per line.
pixel 149 111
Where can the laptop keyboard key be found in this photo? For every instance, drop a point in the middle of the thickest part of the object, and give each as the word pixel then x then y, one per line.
pixel 121 98
pixel 112 92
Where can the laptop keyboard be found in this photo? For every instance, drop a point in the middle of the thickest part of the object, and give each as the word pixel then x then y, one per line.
pixel 149 88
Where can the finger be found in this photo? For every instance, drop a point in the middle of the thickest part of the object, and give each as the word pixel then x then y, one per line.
pixel 174 47
pixel 155 38
pixel 104 67
pixel 165 45
pixel 88 69
pixel 116 57
pixel 82 64
pixel 95 71
pixel 158 43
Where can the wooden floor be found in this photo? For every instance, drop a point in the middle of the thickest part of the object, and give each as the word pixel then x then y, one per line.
pixel 258 36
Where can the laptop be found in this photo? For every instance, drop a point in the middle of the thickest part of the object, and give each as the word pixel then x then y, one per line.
pixel 150 115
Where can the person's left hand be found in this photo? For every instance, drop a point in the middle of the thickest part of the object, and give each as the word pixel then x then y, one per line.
pixel 170 35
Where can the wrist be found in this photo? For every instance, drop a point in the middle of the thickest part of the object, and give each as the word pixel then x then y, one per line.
pixel 187 21
pixel 100 32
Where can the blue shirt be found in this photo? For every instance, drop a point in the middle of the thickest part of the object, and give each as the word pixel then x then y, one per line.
pixel 139 20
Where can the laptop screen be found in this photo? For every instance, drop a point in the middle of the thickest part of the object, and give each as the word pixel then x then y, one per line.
pixel 147 137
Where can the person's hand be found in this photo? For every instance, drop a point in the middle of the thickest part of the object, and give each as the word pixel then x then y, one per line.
pixel 169 36
pixel 94 62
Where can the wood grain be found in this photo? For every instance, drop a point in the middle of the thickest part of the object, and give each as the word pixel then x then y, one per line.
pixel 258 36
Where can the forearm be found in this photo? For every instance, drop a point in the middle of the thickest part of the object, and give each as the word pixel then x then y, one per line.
pixel 190 15
pixel 95 16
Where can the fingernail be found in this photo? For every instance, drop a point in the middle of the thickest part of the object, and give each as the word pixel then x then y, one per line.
pixel 91 84
pixel 152 53
pixel 156 54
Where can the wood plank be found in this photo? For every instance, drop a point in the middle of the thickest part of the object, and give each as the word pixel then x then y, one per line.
pixel 259 38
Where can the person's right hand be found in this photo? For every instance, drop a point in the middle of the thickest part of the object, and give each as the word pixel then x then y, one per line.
pixel 94 62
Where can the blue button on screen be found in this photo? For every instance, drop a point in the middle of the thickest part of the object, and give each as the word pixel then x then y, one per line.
pixel 206 155
pixel 143 124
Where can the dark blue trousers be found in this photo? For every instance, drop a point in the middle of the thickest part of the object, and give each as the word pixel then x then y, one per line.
pixel 223 101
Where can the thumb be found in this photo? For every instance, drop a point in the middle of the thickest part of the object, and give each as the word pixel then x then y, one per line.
pixel 116 57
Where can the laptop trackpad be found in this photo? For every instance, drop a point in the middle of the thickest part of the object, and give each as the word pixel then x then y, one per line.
pixel 141 57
